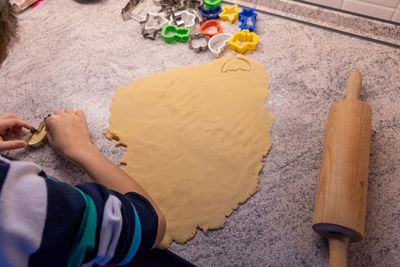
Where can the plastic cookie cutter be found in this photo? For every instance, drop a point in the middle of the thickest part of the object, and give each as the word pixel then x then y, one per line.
pixel 243 41
pixel 185 18
pixel 209 24
pixel 246 15
pixel 211 13
pixel 229 13
pixel 154 21
pixel 201 44
pixel 211 3
pixel 173 33
pixel 138 9
pixel 218 43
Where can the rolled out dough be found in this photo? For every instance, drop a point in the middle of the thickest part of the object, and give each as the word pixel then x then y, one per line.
pixel 195 137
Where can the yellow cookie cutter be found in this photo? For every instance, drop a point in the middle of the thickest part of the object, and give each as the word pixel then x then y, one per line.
pixel 249 40
pixel 229 13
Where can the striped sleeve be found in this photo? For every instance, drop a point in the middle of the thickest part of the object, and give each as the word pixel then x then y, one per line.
pixel 44 222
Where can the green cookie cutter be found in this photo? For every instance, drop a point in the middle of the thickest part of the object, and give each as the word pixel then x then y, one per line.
pixel 173 33
pixel 211 3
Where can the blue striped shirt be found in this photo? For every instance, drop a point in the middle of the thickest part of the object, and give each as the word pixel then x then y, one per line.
pixel 44 222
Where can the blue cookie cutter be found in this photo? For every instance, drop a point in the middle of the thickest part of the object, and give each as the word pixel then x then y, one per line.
pixel 211 13
pixel 244 16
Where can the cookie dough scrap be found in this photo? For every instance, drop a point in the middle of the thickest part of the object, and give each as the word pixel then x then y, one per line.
pixel 196 137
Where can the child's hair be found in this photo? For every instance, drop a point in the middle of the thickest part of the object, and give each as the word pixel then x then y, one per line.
pixel 8 28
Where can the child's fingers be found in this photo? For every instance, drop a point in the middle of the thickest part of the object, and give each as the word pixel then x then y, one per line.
pixel 69 110
pixel 11 123
pixel 9 116
pixel 14 144
pixel 80 113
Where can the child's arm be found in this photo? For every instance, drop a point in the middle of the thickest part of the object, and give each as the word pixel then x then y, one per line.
pixel 68 133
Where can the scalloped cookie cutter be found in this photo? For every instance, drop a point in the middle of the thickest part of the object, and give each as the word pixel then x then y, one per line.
pixel 217 43
pixel 198 48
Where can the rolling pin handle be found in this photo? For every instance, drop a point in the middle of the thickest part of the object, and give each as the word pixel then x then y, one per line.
pixel 354 84
pixel 338 250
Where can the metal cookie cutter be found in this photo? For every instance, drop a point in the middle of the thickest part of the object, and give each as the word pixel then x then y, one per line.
pixel 198 47
pixel 150 34
pixel 153 25
pixel 184 18
pixel 195 4
pixel 138 9
pixel 37 137
pixel 218 43
pixel 154 21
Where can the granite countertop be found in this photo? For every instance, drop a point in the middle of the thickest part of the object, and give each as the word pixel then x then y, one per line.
pixel 72 54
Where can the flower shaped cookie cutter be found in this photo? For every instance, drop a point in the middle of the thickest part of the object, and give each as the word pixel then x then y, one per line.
pixel 172 33
pixel 217 43
pixel 198 47
pixel 184 18
pixel 243 41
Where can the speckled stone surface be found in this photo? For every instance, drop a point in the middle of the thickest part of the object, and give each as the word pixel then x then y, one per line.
pixel 72 54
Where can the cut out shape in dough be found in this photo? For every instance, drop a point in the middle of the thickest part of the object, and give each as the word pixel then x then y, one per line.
pixel 236 64
pixel 195 139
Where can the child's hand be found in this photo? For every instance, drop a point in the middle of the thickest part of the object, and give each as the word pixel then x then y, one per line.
pixel 68 133
pixel 11 124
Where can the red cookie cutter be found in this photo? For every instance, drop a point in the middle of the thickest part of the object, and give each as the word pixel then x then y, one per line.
pixel 210 23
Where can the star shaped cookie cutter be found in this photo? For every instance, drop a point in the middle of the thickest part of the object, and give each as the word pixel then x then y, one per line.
pixel 201 37
pixel 249 40
pixel 229 13
pixel 154 21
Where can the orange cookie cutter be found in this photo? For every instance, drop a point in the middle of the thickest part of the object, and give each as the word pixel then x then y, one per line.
pixel 210 23
pixel 243 41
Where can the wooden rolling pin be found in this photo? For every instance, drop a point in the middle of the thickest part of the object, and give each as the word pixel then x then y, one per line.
pixel 341 200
